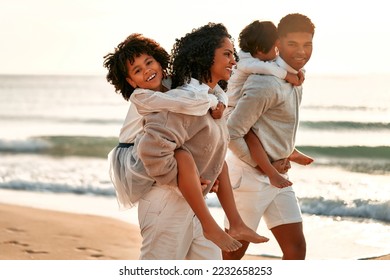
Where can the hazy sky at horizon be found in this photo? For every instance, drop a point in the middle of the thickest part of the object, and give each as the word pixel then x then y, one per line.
pixel 71 37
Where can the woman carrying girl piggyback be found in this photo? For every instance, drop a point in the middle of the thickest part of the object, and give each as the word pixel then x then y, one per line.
pixel 163 233
pixel 125 72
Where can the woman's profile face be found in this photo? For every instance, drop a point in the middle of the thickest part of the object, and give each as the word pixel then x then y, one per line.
pixel 223 63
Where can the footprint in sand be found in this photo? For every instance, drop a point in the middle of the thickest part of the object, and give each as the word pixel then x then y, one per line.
pixel 95 253
pixel 14 242
pixel 36 252
pixel 29 251
pixel 14 230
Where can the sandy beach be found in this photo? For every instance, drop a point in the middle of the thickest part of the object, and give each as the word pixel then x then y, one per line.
pixel 28 233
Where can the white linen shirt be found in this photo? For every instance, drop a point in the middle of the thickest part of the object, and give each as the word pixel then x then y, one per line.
pixel 270 107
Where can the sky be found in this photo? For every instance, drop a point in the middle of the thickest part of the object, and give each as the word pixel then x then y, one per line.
pixel 71 37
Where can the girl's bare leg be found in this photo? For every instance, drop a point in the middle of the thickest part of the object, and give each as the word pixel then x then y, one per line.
pixel 190 186
pixel 238 229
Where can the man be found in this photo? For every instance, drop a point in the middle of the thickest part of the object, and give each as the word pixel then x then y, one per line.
pixel 270 108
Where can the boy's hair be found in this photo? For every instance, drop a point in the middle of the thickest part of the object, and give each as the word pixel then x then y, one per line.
pixel 258 36
pixel 131 48
pixel 295 23
pixel 193 54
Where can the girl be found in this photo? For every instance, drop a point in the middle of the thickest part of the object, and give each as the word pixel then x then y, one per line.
pixel 126 170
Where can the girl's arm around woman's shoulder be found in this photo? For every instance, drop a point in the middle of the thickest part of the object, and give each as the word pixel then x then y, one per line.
pixel 175 100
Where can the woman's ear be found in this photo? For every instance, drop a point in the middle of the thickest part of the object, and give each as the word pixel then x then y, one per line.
pixel 131 82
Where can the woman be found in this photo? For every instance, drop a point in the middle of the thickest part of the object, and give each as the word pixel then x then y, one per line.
pixel 169 228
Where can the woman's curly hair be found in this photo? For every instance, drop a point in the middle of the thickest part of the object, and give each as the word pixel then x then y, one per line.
pixel 134 46
pixel 193 54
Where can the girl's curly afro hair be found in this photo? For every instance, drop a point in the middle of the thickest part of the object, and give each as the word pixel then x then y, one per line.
pixel 134 46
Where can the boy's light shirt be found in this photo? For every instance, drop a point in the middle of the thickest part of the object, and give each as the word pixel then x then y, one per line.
pixel 246 66
pixel 274 117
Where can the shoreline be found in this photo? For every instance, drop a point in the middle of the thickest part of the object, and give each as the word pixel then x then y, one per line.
pixel 71 227
pixel 25 235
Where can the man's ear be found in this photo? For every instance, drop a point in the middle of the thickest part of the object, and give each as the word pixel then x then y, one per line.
pixel 131 82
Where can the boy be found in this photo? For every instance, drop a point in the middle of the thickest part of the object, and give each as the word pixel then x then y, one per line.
pixel 258 42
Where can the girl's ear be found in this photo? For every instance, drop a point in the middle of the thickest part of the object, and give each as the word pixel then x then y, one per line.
pixel 131 82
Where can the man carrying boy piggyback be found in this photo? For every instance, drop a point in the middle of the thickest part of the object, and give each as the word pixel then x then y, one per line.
pixel 269 106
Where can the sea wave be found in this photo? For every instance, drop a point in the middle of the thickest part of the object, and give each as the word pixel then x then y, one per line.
pixel 59 120
pixel 344 125
pixel 362 159
pixel 354 152
pixel 358 208
pixel 59 188
pixel 365 159
pixel 345 108
pixel 85 146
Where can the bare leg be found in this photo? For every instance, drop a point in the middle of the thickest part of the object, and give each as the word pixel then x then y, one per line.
pixel 300 158
pixel 259 155
pixel 291 240
pixel 190 186
pixel 238 229
pixel 238 254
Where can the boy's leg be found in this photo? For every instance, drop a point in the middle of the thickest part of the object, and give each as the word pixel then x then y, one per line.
pixel 300 158
pixel 190 187
pixel 263 164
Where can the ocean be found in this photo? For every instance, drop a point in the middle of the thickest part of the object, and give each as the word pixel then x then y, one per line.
pixel 56 132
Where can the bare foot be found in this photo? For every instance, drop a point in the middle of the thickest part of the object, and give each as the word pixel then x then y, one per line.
pixel 300 158
pixel 222 239
pixel 243 232
pixel 279 181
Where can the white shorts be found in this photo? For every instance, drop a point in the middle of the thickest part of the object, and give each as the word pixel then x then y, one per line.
pixel 170 230
pixel 256 197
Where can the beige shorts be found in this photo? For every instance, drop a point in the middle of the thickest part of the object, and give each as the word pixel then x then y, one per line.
pixel 256 198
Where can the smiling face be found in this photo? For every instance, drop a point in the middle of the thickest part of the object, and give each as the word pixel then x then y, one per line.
pixel 296 48
pixel 223 63
pixel 145 72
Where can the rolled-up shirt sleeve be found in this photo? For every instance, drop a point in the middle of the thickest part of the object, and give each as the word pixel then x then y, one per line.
pixel 248 110
pixel 195 103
